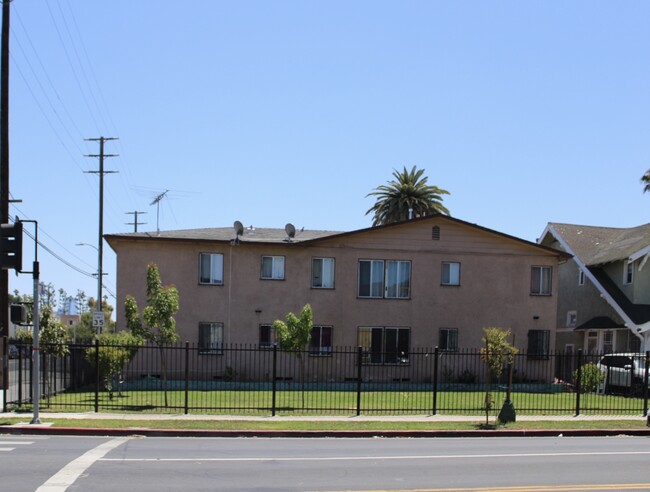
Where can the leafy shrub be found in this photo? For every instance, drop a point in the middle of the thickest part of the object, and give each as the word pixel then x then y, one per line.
pixel 591 377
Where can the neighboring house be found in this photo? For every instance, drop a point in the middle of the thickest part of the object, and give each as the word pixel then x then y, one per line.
pixel 604 296
pixel 432 281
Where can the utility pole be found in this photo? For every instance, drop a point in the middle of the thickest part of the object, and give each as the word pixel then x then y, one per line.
pixel 100 243
pixel 4 157
pixel 135 222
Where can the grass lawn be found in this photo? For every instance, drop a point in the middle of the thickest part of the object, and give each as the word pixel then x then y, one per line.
pixel 340 403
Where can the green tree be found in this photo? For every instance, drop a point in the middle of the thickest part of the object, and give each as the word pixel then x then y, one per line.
pixel 116 350
pixel 157 324
pixel 407 195
pixel 293 336
pixel 53 341
pixel 645 179
pixel 497 352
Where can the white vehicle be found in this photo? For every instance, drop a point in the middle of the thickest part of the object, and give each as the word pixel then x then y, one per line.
pixel 624 370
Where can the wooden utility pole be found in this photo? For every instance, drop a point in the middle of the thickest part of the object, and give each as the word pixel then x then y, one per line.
pixel 135 222
pixel 4 158
pixel 100 241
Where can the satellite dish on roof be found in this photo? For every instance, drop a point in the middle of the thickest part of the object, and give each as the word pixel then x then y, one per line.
pixel 290 230
pixel 239 228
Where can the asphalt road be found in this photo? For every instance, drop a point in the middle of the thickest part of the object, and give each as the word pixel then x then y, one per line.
pixel 58 463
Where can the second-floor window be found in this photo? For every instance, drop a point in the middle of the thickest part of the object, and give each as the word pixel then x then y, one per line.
pixel 450 273
pixel 628 273
pixel 272 267
pixel 390 279
pixel 211 269
pixel 540 280
pixel 322 273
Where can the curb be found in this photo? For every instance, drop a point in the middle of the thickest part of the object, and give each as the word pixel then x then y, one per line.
pixel 25 430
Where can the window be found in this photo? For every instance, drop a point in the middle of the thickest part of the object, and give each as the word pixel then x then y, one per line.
pixel 608 342
pixel 322 273
pixel 273 267
pixel 385 278
pixel 628 276
pixel 581 278
pixel 268 336
pixel 448 339
pixel 592 342
pixel 571 319
pixel 210 338
pixel 540 281
pixel 450 273
pixel 384 345
pixel 435 233
pixel 211 269
pixel 321 340
pixel 538 344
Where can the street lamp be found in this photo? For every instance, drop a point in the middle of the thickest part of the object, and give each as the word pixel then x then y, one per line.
pixel 98 317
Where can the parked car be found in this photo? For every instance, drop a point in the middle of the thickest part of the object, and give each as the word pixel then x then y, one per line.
pixel 623 371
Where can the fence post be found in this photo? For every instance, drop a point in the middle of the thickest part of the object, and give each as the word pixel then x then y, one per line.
pixel 436 354
pixel 96 375
pixel 187 377
pixel 5 372
pixel 274 372
pixel 579 380
pixel 645 384
pixel 359 356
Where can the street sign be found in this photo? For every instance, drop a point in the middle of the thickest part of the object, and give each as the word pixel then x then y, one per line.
pixel 98 319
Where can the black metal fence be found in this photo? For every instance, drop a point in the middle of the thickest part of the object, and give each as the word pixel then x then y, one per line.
pixel 257 380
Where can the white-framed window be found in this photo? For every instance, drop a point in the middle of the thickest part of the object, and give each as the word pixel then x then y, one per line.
pixel 390 279
pixel 211 268
pixel 571 319
pixel 608 342
pixel 450 273
pixel 628 273
pixel 448 339
pixel 538 344
pixel 272 267
pixel 210 338
pixel 322 273
pixel 581 277
pixel 540 280
pixel 268 336
pixel 320 342
pixel 384 344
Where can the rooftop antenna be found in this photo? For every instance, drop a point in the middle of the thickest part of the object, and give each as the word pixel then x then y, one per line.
pixel 156 201
pixel 291 231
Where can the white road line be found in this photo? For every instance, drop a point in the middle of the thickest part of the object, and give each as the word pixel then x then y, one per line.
pixel 66 476
pixel 6 449
pixel 361 458
pixel 16 443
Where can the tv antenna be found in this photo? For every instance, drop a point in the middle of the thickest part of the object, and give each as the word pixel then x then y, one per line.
pixel 156 202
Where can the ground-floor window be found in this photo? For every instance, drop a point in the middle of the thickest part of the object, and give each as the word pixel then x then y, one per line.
pixel 268 336
pixel 320 342
pixel 538 344
pixel 448 339
pixel 384 344
pixel 210 338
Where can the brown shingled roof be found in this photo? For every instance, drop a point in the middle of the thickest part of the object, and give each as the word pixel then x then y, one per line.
pixel 599 245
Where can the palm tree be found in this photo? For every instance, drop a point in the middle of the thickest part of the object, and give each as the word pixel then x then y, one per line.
pixel 407 196
pixel 645 179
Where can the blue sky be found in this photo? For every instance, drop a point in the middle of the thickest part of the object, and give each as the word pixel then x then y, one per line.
pixel 293 111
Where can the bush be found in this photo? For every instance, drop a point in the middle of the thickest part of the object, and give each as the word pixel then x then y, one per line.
pixel 591 378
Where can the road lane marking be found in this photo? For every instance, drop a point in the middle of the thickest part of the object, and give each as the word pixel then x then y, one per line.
pixel 67 475
pixel 528 488
pixel 7 449
pixel 406 457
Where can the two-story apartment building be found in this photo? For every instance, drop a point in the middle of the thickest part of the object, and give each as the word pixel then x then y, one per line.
pixel 604 290
pixel 432 281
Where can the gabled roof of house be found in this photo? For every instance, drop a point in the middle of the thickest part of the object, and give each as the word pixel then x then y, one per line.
pixel 599 245
pixel 638 313
pixel 303 236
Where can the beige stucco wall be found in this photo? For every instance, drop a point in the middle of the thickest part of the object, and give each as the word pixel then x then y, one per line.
pixel 494 290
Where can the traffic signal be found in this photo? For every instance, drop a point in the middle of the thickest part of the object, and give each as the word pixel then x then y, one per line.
pixel 11 246
pixel 17 314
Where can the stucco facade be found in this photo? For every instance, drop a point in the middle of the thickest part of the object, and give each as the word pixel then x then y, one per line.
pixel 490 282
